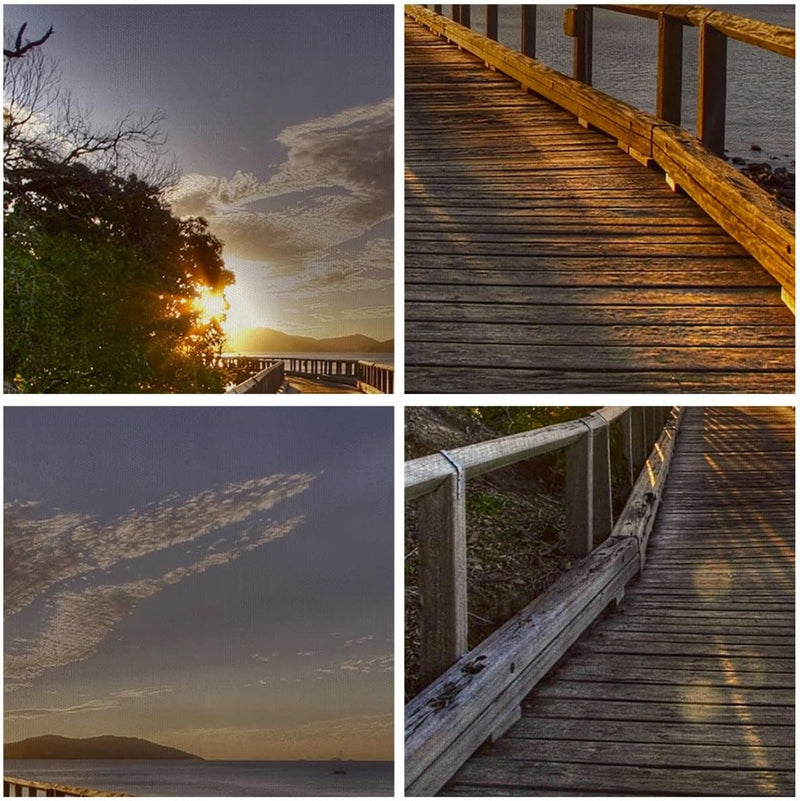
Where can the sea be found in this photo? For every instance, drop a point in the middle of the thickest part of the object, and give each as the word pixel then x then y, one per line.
pixel 760 89
pixel 211 778
pixel 379 357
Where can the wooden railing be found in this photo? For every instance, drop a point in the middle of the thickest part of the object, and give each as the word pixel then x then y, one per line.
pixel 26 787
pixel 267 374
pixel 254 374
pixel 744 210
pixel 375 377
pixel 477 694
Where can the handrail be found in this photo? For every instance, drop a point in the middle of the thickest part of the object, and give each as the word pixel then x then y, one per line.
pixel 439 481
pixel 266 381
pixel 368 377
pixel 766 35
pixel 14 787
pixel 744 210
pixel 478 697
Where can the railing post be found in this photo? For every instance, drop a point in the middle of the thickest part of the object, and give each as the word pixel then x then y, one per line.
pixel 465 15
pixel 528 37
pixel 670 69
pixel 602 512
pixel 639 447
pixel 579 24
pixel 437 9
pixel 627 445
pixel 578 500
pixel 442 536
pixel 456 13
pixel 491 21
pixel 712 65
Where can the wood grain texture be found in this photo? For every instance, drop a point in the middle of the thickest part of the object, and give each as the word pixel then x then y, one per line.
pixel 540 258
pixel 687 687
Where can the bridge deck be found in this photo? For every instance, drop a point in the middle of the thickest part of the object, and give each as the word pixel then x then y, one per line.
pixel 688 687
pixel 540 257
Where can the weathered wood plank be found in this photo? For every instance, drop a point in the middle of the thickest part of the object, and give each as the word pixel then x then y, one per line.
pixel 498 185
pixel 692 675
pixel 534 778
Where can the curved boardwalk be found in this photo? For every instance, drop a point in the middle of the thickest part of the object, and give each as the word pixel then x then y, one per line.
pixel 539 257
pixel 688 687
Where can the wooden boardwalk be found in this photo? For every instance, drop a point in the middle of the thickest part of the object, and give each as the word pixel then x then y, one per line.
pixel 541 258
pixel 688 686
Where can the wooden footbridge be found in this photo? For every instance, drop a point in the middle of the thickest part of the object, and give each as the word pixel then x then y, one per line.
pixel 298 374
pixel 544 249
pixel 662 663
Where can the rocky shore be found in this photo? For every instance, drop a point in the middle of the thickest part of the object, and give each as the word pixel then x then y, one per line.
pixel 778 181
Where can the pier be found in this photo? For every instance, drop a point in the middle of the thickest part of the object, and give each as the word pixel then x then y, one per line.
pixel 273 374
pixel 560 240
pixel 26 787
pixel 662 661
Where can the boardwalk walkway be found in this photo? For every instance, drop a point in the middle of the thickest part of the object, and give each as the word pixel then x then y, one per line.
pixel 540 257
pixel 688 687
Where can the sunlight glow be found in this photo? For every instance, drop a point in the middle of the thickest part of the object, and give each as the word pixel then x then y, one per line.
pixel 211 306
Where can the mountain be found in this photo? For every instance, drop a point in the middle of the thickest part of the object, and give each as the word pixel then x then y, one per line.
pixel 51 746
pixel 268 340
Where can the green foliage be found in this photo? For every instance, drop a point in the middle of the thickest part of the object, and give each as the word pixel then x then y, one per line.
pixel 485 503
pixel 100 280
pixel 515 419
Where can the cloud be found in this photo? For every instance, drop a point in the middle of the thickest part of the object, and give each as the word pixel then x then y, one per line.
pixel 375 664
pixel 66 545
pixel 30 714
pixel 310 224
pixel 73 622
pixel 140 693
pixel 77 622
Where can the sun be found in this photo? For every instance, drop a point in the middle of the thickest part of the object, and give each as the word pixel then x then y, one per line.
pixel 210 306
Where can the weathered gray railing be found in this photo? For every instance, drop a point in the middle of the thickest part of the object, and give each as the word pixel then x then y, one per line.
pixel 744 210
pixel 375 377
pixel 27 787
pixel 268 380
pixel 478 694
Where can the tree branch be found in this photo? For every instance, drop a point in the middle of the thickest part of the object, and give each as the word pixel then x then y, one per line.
pixel 20 49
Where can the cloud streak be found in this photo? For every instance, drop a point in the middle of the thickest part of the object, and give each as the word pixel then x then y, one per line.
pixel 74 622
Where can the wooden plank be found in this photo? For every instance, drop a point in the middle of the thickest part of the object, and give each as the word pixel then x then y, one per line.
pixel 678 755
pixel 744 210
pixel 682 733
pixel 449 719
pixel 534 778
pixel 593 357
pixel 429 379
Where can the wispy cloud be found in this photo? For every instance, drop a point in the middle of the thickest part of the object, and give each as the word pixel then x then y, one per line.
pixel 55 549
pixel 309 225
pixel 66 545
pixel 30 714
pixel 375 664
pixel 140 693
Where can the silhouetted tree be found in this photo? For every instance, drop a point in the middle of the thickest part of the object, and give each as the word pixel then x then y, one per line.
pixel 101 280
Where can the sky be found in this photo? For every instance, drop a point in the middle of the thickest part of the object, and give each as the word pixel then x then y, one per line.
pixel 215 580
pixel 280 120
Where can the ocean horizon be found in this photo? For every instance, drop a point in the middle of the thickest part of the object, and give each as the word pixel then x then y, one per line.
pixel 380 357
pixel 168 777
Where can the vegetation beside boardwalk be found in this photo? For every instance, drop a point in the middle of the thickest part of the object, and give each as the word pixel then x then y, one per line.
pixel 104 287
pixel 515 517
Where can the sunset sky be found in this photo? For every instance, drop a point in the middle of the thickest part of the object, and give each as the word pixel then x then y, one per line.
pixel 217 580
pixel 280 119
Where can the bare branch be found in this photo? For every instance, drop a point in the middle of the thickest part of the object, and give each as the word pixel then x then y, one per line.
pixel 21 49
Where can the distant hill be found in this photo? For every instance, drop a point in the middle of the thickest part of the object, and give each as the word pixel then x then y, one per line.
pixel 51 746
pixel 268 340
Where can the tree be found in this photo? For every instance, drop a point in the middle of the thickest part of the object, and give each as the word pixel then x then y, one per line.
pixel 101 281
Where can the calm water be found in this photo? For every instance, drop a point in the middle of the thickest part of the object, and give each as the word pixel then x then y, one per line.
pixel 211 778
pixel 760 84
pixel 379 357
